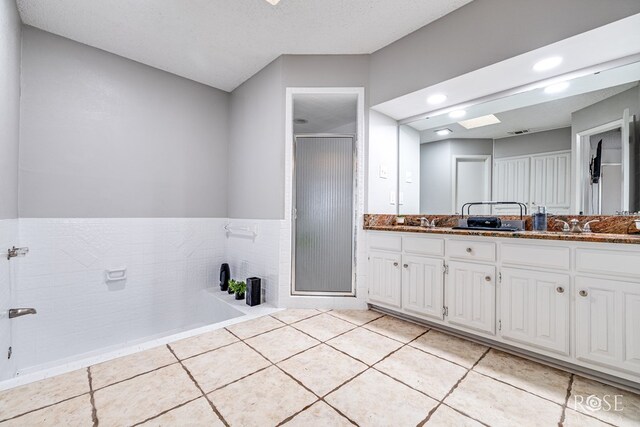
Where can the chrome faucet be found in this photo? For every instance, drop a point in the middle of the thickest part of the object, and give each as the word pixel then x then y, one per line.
pixel 565 227
pixel 587 227
pixel 17 312
pixel 424 222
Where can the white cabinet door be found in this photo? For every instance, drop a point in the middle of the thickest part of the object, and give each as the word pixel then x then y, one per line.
pixel 471 296
pixel 607 319
pixel 422 285
pixel 551 181
pixel 510 184
pixel 385 274
pixel 535 309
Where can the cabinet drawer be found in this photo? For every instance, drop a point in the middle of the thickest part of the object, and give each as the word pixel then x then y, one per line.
pixel 478 251
pixel 385 242
pixel 423 246
pixel 557 258
pixel 599 261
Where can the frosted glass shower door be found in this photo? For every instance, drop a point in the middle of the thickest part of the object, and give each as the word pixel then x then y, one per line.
pixel 323 213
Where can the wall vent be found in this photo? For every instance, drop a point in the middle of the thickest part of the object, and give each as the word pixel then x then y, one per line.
pixel 519 132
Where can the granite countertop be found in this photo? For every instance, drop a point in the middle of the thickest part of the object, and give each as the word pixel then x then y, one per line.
pixel 539 235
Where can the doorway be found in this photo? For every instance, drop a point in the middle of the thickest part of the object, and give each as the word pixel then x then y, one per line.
pixel 326 125
pixel 471 182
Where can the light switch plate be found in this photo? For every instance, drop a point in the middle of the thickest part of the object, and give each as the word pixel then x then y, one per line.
pixel 383 172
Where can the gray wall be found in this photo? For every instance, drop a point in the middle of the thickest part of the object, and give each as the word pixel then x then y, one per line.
pixel 533 143
pixel 256 146
pixel 435 170
pixel 103 136
pixel 10 26
pixel 257 142
pixel 482 33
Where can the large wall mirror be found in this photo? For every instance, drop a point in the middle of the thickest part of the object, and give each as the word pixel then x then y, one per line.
pixel 572 147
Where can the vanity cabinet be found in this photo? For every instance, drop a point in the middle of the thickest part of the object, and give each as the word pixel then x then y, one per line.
pixel 385 275
pixel 608 323
pixel 534 309
pixel 471 296
pixel 575 302
pixel 422 290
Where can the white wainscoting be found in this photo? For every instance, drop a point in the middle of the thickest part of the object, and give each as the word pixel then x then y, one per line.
pixel 169 263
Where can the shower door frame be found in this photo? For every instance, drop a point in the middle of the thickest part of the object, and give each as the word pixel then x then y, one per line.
pixel 287 295
pixel 354 214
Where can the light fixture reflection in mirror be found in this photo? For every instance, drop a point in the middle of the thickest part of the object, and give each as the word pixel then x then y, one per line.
pixel 532 144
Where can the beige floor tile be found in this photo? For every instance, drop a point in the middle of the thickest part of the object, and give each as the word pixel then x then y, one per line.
pixel 576 419
pixel 322 368
pixel 224 365
pixel 254 327
pixel 36 395
pixel 324 327
pixel 359 317
pixel 455 349
pixel 422 371
pixel 396 328
pixel 605 395
pixel 374 399
pixel 129 366
pixel 365 345
pixel 193 414
pixel 281 343
pixel 447 417
pixel 294 314
pixel 73 412
pixel 499 404
pixel 200 343
pixel 143 397
pixel 533 377
pixel 319 415
pixel 265 398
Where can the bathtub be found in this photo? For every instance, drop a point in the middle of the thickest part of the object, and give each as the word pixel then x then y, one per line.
pixel 170 292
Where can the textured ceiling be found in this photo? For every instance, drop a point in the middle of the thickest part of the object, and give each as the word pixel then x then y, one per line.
pixel 325 113
pixel 222 43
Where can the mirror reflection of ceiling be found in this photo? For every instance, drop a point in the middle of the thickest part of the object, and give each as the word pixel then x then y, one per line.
pixel 535 118
pixel 324 113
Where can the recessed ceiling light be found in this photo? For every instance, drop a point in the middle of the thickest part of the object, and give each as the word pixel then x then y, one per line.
pixel 479 122
pixel 438 98
pixel 547 63
pixel 457 114
pixel 556 88
pixel 273 2
pixel 443 132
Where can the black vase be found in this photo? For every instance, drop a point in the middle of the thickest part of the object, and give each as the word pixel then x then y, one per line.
pixel 239 296
pixel 225 275
pixel 229 290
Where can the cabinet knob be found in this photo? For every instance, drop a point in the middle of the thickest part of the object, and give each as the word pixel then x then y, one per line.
pixel 560 289
pixel 469 250
pixel 583 293
pixel 406 265
pixel 395 264
pixel 487 278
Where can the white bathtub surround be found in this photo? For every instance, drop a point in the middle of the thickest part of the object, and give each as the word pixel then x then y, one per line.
pixel 257 256
pixel 8 238
pixel 169 263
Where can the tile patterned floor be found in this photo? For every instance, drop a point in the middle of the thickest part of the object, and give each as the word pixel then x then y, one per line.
pixel 316 368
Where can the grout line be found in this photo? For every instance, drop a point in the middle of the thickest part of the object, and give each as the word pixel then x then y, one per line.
pixel 319 398
pixel 41 407
pixel 430 414
pixel 566 401
pixel 354 323
pixel 206 351
pixel 134 376
pixel 213 407
pixel 166 411
pixel 94 410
